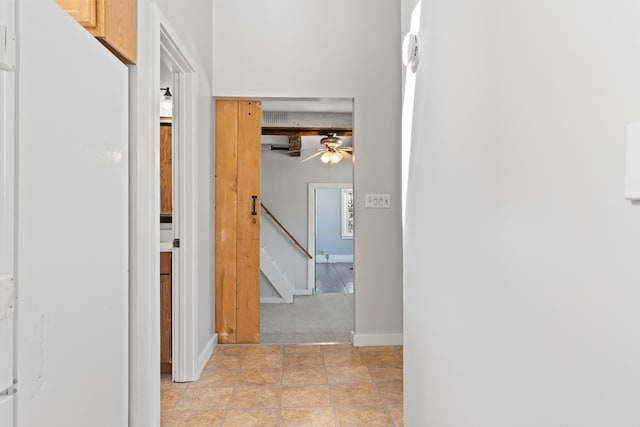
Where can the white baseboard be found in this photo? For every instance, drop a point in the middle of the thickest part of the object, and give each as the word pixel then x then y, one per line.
pixel 271 300
pixel 366 340
pixel 321 259
pixel 206 353
pixel 302 292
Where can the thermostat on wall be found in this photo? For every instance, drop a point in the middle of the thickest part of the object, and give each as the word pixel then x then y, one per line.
pixel 411 51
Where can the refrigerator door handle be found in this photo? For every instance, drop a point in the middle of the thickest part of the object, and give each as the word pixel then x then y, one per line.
pixel 7 296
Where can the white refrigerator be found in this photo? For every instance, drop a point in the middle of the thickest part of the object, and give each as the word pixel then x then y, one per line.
pixel 7 186
pixel 69 175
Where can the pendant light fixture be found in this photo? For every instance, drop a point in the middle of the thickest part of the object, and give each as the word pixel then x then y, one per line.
pixel 166 103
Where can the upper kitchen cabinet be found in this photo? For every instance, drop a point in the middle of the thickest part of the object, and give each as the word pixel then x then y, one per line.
pixel 166 170
pixel 113 22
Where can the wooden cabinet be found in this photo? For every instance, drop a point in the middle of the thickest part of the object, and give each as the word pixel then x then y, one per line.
pixel 165 312
pixel 237 223
pixel 166 170
pixel 113 22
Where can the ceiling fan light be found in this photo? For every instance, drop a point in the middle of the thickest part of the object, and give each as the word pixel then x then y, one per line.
pixel 326 157
pixel 335 157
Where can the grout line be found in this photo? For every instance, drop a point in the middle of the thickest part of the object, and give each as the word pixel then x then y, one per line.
pixel 384 403
pixel 281 385
pixel 326 377
pixel 233 387
pixel 323 351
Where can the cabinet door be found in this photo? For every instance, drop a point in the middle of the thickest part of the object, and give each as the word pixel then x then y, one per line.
pixel 166 170
pixel 165 312
pixel 113 22
pixel 116 28
pixel 83 11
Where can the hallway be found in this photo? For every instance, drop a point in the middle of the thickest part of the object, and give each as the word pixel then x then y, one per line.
pixel 290 385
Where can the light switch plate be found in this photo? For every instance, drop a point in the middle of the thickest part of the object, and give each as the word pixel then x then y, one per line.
pixel 377 200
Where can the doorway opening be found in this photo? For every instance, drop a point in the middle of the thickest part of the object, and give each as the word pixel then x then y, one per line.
pixel 331 224
pixel 177 173
pixel 292 172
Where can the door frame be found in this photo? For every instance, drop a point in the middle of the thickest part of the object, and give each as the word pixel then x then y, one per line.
pixel 144 218
pixel 312 204
pixel 184 169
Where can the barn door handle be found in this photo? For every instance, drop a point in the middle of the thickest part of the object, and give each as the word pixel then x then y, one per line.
pixel 253 212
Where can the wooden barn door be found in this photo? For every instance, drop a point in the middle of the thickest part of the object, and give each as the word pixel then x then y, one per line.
pixel 237 220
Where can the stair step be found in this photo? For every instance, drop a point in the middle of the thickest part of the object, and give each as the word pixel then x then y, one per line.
pixel 277 278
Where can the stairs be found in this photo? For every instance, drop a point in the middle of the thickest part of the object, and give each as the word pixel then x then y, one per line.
pixel 271 271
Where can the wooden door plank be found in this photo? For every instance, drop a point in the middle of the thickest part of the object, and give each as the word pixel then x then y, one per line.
pixel 226 219
pixel 250 120
pixel 248 302
pixel 248 245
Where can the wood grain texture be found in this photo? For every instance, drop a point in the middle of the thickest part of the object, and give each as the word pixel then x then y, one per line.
pixel 295 145
pixel 165 312
pixel 250 120
pixel 113 22
pixel 166 171
pixel 248 245
pixel 116 28
pixel 165 262
pixel 226 219
pixel 248 299
pixel 83 11
pixel 305 131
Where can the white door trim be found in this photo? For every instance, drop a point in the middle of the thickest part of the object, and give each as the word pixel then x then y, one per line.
pixel 154 35
pixel 311 228
pixel 184 309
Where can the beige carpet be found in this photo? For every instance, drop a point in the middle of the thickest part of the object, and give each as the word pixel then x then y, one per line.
pixel 309 319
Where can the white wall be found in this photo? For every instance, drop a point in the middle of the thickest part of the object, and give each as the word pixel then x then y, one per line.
pixel 284 186
pixel 521 278
pixel 330 239
pixel 286 48
pixel 193 27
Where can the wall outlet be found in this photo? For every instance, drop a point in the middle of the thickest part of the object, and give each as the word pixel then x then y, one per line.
pixel 377 200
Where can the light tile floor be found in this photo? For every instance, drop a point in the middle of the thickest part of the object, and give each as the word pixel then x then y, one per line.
pixel 290 385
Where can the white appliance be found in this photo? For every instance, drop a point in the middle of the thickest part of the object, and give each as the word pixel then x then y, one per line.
pixel 7 387
pixel 66 343
pixel 7 285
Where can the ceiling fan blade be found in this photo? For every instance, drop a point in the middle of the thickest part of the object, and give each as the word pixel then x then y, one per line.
pixel 304 149
pixel 346 148
pixel 279 147
pixel 346 155
pixel 312 156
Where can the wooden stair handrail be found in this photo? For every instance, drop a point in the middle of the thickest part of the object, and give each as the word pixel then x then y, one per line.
pixel 285 230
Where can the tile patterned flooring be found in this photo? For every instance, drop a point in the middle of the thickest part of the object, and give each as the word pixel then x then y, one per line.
pixel 290 385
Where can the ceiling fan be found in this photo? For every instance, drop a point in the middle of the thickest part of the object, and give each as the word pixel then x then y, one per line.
pixel 332 151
